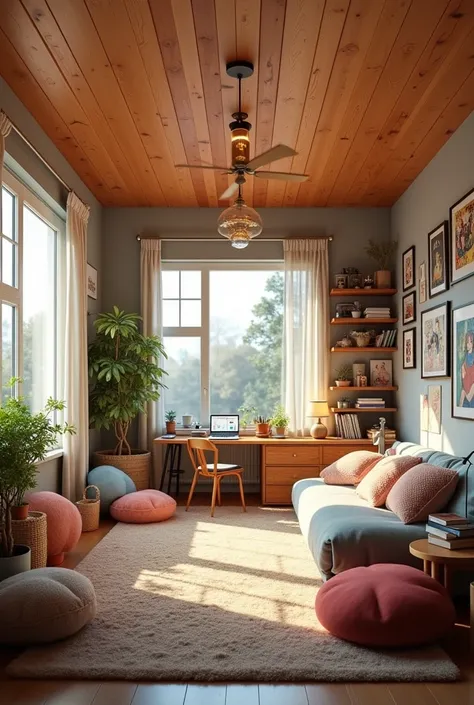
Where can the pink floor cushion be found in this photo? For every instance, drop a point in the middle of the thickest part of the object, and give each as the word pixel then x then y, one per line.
pixel 143 507
pixel 385 605
pixel 64 523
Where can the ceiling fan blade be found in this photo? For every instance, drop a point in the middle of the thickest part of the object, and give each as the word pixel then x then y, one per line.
pixel 279 152
pixel 281 176
pixel 228 193
pixel 202 166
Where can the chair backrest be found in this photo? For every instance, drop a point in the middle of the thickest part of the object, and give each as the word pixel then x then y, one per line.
pixel 197 448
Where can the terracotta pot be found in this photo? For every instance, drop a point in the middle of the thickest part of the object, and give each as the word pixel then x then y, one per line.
pixel 280 430
pixel 383 279
pixel 20 512
pixel 171 427
pixel 343 382
pixel 263 429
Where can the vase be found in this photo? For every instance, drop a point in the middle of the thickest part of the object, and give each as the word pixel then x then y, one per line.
pixel 383 279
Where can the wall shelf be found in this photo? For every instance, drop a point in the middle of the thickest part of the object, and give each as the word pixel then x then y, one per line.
pixel 363 389
pixel 357 321
pixel 354 349
pixel 362 292
pixel 353 410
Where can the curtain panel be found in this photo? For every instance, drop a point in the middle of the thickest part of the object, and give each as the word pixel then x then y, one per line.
pixel 5 127
pixel 305 337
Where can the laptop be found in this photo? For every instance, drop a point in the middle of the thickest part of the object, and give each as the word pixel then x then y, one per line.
pixel 224 426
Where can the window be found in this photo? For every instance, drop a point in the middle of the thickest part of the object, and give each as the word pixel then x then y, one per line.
pixel 32 242
pixel 222 330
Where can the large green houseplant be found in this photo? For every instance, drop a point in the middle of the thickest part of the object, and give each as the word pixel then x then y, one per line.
pixel 125 376
pixel 25 438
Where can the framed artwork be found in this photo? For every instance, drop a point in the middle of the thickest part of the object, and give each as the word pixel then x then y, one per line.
pixel 463 362
pixel 461 220
pixel 422 283
pixel 409 349
pixel 408 268
pixel 380 373
pixel 435 342
pixel 434 408
pixel 341 281
pixel 91 281
pixel 424 412
pixel 409 308
pixel 438 257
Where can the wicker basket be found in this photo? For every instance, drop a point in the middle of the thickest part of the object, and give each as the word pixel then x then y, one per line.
pixel 89 509
pixel 136 466
pixel 32 532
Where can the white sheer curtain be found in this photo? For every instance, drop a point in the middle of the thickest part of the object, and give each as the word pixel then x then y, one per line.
pixel 305 344
pixel 76 448
pixel 151 423
pixel 5 127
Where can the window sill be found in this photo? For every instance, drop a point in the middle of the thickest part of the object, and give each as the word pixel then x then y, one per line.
pixel 52 455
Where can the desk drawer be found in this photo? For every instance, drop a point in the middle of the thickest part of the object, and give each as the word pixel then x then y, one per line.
pixel 292 455
pixel 278 494
pixel 332 453
pixel 285 475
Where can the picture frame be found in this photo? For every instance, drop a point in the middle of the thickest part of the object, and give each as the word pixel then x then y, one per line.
pixel 422 283
pixel 438 258
pixel 408 268
pixel 461 226
pixel 424 412
pixel 91 281
pixel 462 403
pixel 435 342
pixel 409 308
pixel 409 349
pixel 381 373
pixel 434 408
pixel 341 281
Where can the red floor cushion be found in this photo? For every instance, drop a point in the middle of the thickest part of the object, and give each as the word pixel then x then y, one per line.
pixel 143 507
pixel 385 605
pixel 63 521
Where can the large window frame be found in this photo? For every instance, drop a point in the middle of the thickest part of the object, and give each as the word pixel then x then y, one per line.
pixel 203 331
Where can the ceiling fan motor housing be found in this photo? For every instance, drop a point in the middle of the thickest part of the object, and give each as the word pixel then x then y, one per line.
pixel 240 143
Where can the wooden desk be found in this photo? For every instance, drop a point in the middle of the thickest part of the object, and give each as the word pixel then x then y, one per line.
pixel 284 461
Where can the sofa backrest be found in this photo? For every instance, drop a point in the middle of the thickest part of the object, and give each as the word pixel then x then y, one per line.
pixel 462 502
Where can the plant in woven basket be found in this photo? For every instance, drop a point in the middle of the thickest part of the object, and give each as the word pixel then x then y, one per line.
pixel 124 372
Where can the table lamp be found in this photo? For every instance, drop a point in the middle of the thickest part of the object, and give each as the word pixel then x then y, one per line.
pixel 318 410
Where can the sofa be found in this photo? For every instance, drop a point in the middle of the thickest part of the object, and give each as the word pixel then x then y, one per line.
pixel 343 531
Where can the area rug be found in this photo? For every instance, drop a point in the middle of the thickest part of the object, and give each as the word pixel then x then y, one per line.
pixel 224 599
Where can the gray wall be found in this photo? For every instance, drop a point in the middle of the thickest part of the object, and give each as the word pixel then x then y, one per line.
pixel 422 207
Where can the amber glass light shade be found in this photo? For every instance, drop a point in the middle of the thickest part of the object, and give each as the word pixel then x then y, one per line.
pixel 239 224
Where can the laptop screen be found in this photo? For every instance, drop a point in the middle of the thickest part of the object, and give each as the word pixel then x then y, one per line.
pixel 224 422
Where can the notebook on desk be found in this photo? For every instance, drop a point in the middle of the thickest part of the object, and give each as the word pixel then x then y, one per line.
pixel 224 426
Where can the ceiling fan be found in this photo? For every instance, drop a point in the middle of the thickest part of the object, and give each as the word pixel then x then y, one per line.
pixel 240 128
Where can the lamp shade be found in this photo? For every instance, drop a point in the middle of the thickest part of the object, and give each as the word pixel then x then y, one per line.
pixel 318 409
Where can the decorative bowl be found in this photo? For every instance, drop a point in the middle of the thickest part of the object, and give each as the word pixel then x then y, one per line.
pixel 361 337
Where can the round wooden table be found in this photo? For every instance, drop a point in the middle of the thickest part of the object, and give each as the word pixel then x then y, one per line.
pixel 436 558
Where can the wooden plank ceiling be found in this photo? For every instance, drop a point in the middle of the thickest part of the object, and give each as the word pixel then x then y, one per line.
pixel 366 91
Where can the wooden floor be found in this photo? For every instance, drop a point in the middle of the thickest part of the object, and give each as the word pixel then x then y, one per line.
pixel 24 692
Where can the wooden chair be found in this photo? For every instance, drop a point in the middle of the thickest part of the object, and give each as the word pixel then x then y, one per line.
pixel 196 449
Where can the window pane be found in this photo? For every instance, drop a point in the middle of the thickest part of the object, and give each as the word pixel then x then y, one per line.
pixel 8 263
pixel 170 314
pixel 39 310
pixel 184 377
pixel 9 362
pixel 191 313
pixel 170 285
pixel 8 214
pixel 246 327
pixel 190 285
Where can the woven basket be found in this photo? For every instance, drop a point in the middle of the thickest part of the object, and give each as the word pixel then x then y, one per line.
pixel 32 532
pixel 136 466
pixel 89 509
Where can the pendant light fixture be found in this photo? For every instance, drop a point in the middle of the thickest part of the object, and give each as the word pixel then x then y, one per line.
pixel 239 223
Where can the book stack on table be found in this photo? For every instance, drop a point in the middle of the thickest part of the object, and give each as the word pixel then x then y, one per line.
pixel 450 531
pixel 390 433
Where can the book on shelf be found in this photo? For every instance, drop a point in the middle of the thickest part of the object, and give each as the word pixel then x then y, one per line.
pixel 386 339
pixel 450 533
pixel 447 519
pixel 389 434
pixel 378 405
pixel 452 545
pixel 347 426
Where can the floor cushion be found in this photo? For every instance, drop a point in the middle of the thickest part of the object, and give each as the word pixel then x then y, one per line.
pixel 112 483
pixel 385 605
pixel 143 507
pixel 44 605
pixel 63 521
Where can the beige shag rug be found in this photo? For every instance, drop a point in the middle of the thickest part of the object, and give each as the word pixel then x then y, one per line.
pixel 224 599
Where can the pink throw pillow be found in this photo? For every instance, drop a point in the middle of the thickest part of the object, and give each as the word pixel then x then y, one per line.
pixel 379 481
pixel 351 468
pixel 422 490
pixel 143 507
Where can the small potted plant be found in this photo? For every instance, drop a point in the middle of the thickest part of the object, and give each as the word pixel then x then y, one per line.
pixel 382 253
pixel 263 424
pixel 343 403
pixel 357 312
pixel 344 376
pixel 280 420
pixel 170 421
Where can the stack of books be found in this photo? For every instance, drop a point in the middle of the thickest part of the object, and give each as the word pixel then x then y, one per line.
pixel 377 312
pixel 370 403
pixel 347 426
pixel 450 531
pixel 389 434
pixel 386 339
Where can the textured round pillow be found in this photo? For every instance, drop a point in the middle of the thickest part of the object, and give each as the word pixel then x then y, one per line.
pixel 143 507
pixel 44 605
pixel 385 605
pixel 112 483
pixel 63 521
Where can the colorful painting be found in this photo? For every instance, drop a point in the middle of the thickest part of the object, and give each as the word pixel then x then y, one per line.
pixel 463 362
pixel 409 308
pixel 409 349
pixel 462 238
pixel 435 342
pixel 424 412
pixel 434 408
pixel 408 268
pixel 438 258
pixel 380 373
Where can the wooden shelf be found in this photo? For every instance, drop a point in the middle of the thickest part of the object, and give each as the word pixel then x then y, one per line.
pixel 353 410
pixel 357 321
pixel 362 292
pixel 362 389
pixel 354 349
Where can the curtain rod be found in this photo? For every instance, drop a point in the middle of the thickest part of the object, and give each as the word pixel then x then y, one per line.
pixel 215 239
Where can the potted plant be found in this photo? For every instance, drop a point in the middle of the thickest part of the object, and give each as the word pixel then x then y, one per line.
pixel 343 403
pixel 263 425
pixel 382 253
pixel 125 377
pixel 170 421
pixel 344 376
pixel 280 420
pixel 25 438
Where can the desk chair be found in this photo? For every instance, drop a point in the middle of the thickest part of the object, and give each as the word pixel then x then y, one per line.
pixel 196 450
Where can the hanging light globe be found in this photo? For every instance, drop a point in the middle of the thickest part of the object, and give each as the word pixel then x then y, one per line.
pixel 239 224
